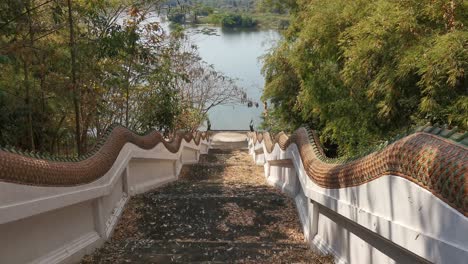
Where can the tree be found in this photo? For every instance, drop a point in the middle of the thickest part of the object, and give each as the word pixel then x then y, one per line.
pixel 236 20
pixel 207 88
pixel 366 70
pixel 68 70
pixel 75 88
pixel 198 86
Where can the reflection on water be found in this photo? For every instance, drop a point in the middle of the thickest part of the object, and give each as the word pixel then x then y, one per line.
pixel 236 53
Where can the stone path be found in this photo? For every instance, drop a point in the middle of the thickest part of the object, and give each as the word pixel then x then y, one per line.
pixel 219 211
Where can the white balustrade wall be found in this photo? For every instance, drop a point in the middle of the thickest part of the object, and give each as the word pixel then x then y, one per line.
pixel 62 224
pixel 387 220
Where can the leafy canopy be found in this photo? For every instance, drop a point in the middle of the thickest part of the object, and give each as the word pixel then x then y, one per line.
pixel 363 71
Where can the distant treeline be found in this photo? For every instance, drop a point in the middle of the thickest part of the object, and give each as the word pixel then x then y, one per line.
pixel 244 5
pixel 227 13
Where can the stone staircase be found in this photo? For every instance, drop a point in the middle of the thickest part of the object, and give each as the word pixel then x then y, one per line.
pixel 219 211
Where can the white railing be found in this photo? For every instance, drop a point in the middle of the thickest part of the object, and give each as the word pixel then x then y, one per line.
pixel 387 220
pixel 61 224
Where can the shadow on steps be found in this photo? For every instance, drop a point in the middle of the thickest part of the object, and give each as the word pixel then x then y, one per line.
pixel 219 211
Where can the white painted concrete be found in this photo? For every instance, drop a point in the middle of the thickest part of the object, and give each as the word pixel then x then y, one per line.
pixel 61 224
pixel 387 220
pixel 259 159
pixel 228 137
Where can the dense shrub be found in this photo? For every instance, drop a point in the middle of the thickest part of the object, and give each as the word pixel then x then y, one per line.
pixel 236 20
pixel 176 17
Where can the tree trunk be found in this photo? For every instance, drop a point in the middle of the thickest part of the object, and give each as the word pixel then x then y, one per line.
pixel 127 88
pixel 42 84
pixel 55 139
pixel 29 106
pixel 26 81
pixel 75 88
pixel 127 96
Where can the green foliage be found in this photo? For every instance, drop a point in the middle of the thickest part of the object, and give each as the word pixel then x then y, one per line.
pixel 233 5
pixel 275 6
pixel 129 71
pixel 248 22
pixel 366 70
pixel 281 89
pixel 230 13
pixel 204 11
pixel 176 17
pixel 161 109
pixel 235 21
pixel 231 20
pixel 215 19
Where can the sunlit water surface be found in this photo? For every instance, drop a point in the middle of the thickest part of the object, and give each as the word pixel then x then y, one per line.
pixel 236 53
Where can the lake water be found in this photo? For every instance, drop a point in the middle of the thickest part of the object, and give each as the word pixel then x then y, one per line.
pixel 236 53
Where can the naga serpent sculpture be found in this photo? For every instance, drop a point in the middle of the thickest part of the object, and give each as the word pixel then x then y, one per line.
pixel 435 159
pixel 38 170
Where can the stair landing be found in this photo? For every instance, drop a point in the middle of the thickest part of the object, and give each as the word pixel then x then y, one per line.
pixel 220 211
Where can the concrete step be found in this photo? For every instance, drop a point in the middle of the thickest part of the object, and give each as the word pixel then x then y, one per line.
pixel 229 145
pixel 226 157
pixel 214 189
pixel 218 211
pixel 193 251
